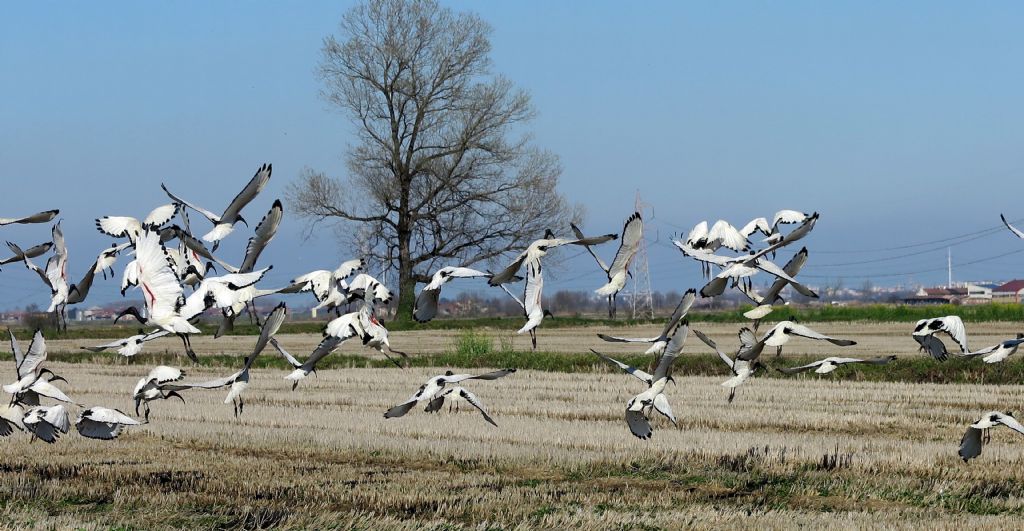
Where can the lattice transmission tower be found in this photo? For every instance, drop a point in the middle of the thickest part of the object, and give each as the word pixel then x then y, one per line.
pixel 640 292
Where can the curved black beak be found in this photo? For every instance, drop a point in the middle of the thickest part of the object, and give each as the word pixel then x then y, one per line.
pixel 243 221
pixel 176 395
pixel 132 311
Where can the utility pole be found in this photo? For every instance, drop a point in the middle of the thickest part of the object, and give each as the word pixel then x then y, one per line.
pixel 949 262
pixel 643 302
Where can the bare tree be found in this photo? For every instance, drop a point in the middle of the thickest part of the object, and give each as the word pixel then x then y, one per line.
pixel 441 169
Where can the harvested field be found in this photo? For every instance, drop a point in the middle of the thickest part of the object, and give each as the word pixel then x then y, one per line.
pixel 811 451
pixel 873 339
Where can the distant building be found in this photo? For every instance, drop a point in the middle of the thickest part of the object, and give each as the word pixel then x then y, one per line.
pixel 964 293
pixel 91 314
pixel 978 293
pixel 938 296
pixel 1009 292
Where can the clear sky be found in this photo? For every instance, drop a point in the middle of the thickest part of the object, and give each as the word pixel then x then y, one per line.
pixel 900 123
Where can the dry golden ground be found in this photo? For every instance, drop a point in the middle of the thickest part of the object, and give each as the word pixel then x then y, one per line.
pixel 873 339
pixel 807 452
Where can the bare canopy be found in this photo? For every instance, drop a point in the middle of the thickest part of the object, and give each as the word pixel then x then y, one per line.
pixel 440 169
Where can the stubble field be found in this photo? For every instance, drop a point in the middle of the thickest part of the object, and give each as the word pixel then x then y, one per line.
pixel 811 451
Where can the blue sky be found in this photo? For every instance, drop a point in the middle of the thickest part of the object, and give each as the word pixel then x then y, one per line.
pixel 900 123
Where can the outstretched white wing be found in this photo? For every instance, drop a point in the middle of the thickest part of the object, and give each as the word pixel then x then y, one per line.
pixel 640 375
pixel 40 217
pixel 206 213
pixel 617 339
pixel 35 355
pixel 803 331
pixel 802 368
pixel 475 402
pixel 1010 422
pixel 18 356
pixel 970 444
pixel 728 236
pixel 632 235
pixel 707 341
pixel 1013 229
pixel 348 267
pixel 579 234
pixel 638 424
pixel 160 286
pixel 950 324
pixel 252 188
pixel 265 232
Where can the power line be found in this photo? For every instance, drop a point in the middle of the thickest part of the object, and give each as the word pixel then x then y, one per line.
pixel 911 273
pixel 907 255
pixel 944 241
pixel 979 233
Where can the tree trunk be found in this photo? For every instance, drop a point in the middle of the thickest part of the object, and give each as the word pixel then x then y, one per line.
pixel 406 293
pixel 406 279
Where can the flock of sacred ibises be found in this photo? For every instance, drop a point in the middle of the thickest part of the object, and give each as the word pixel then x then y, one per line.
pixel 166 258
